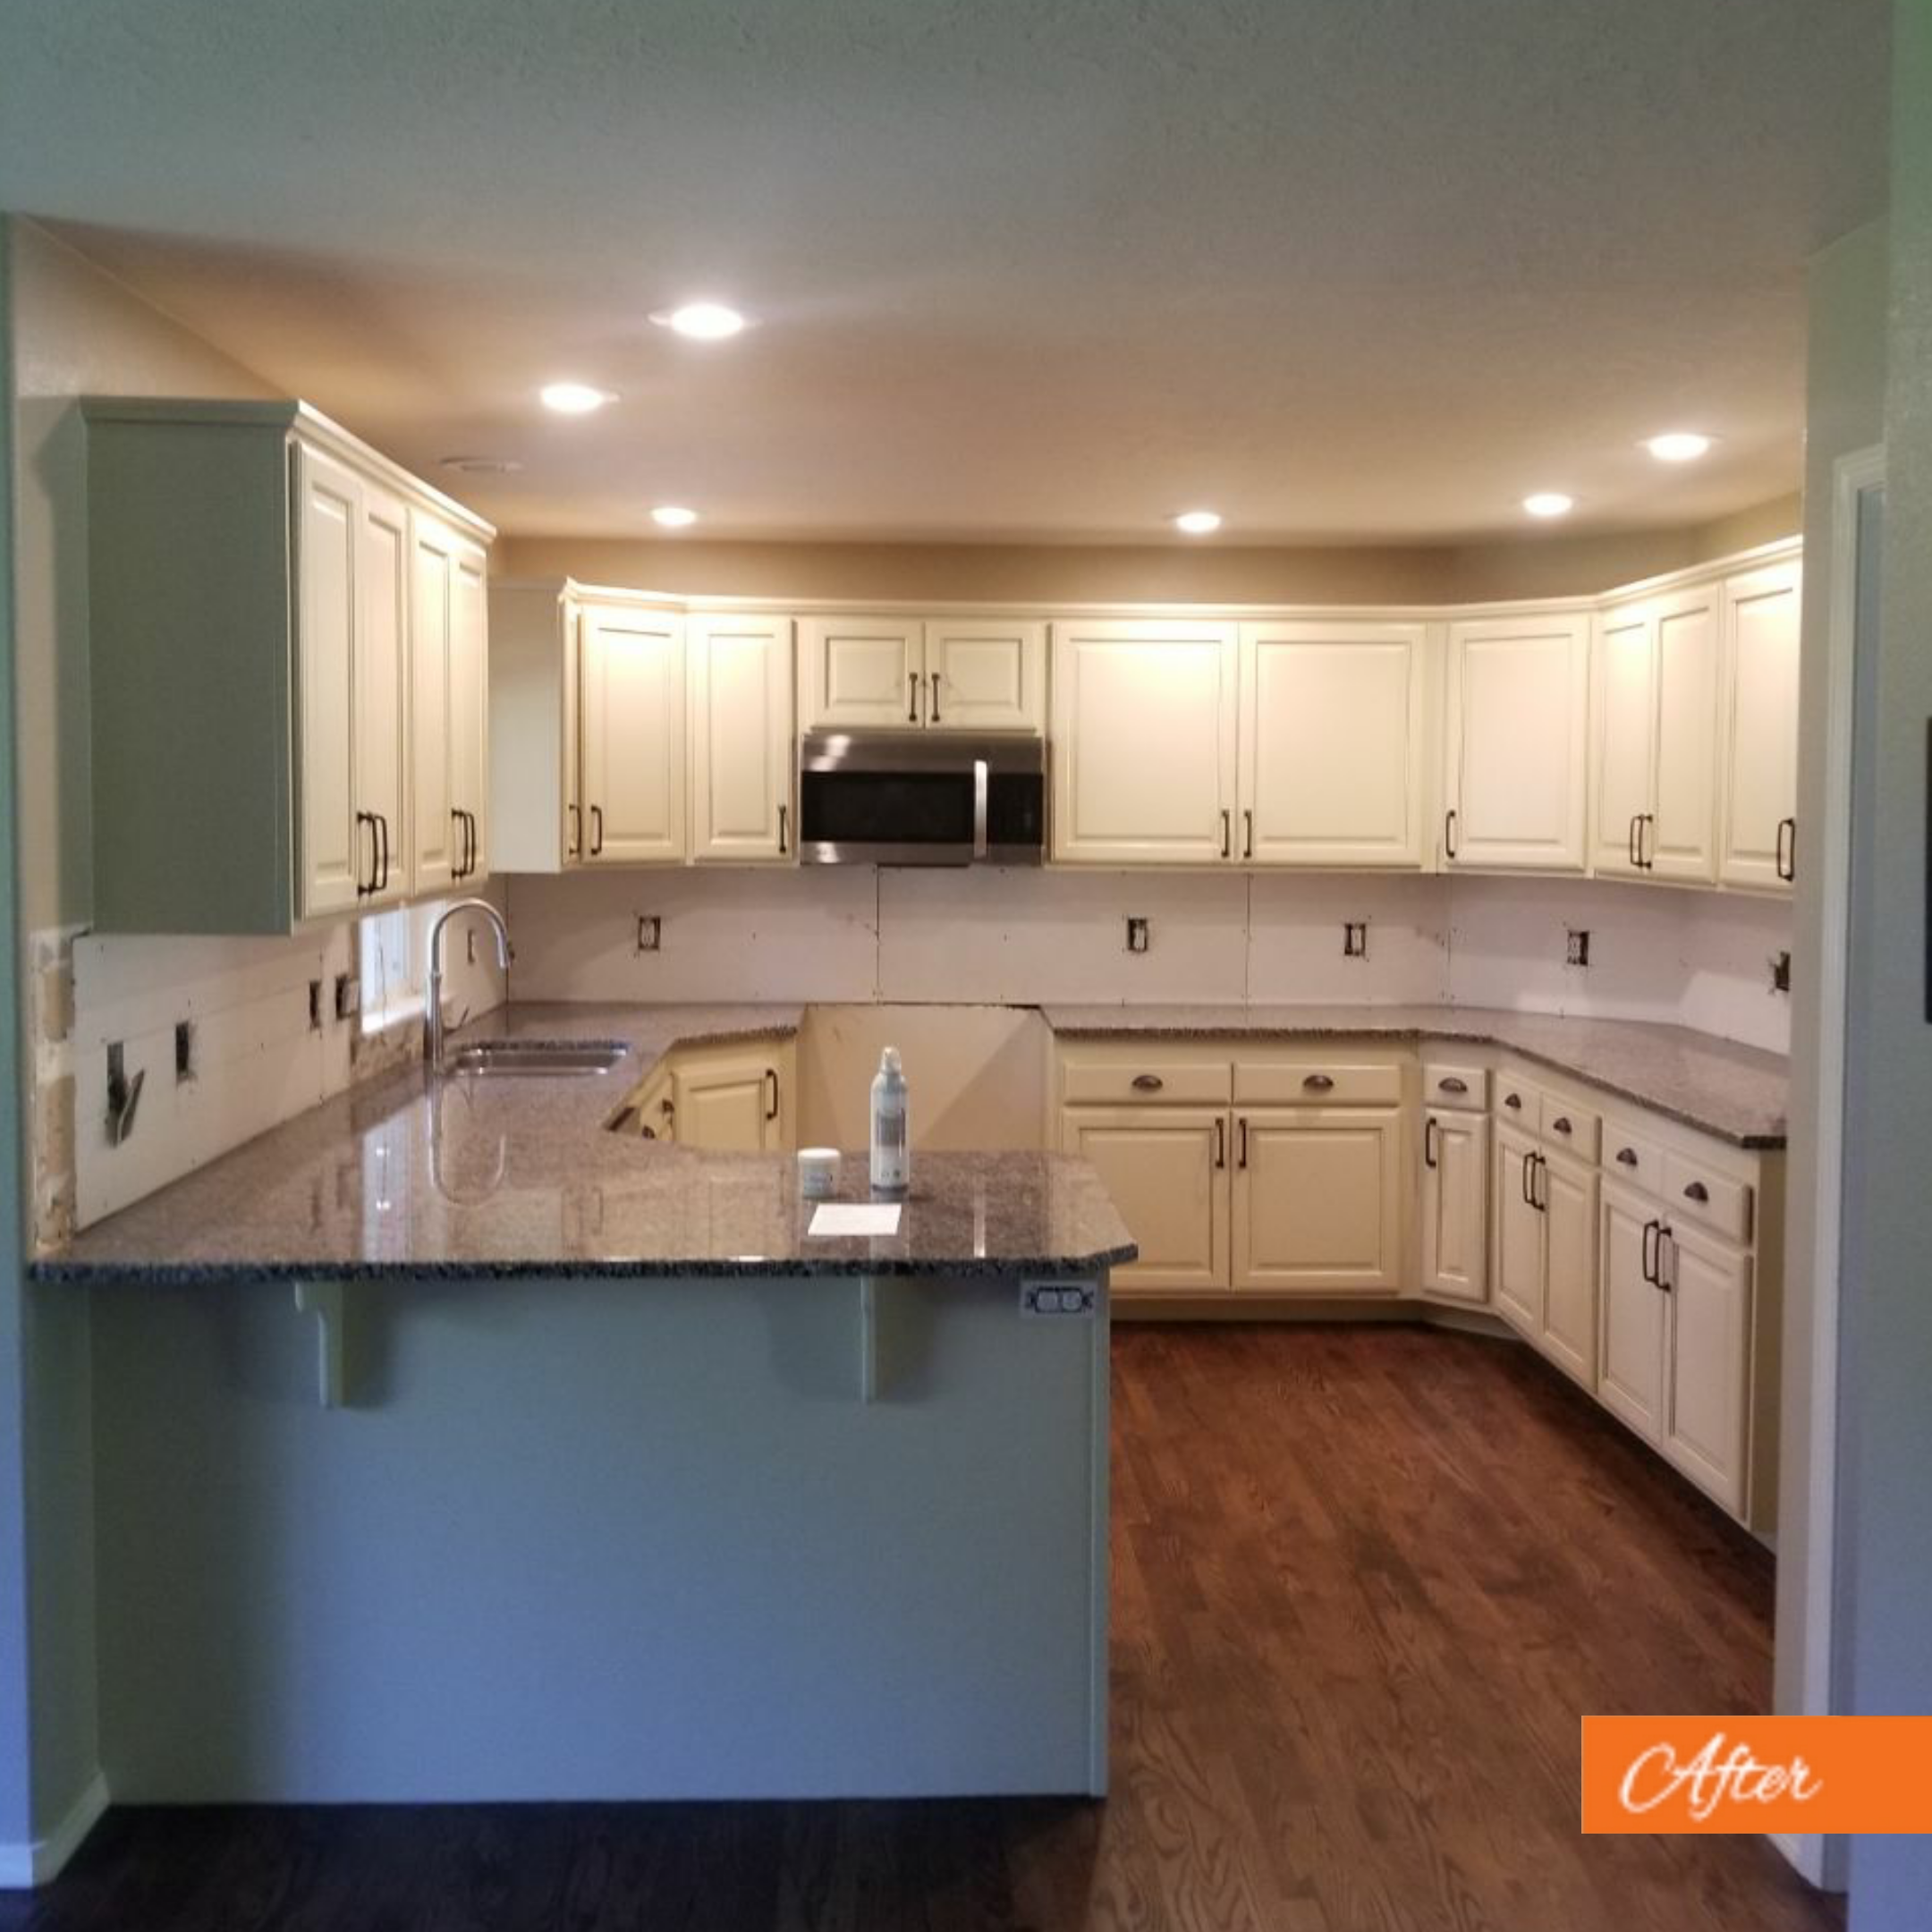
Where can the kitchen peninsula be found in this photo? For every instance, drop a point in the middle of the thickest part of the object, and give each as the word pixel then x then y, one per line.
pixel 575 1466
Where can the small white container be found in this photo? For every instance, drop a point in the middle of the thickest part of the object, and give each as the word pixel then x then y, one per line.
pixel 817 1172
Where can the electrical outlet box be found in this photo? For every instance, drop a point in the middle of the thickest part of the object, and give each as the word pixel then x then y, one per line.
pixel 1077 1298
pixel 183 1051
pixel 1137 934
pixel 315 1006
pixel 1576 948
pixel 1355 939
pixel 348 995
pixel 1781 973
pixel 650 933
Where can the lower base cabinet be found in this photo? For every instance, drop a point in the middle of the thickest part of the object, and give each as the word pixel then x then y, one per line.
pixel 1706 1416
pixel 1545 1250
pixel 1455 1205
pixel 1635 1339
pixel 1317 1201
pixel 732 1099
pixel 1167 1170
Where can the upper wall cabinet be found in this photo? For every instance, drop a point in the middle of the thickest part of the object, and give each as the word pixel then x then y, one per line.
pixel 1654 804
pixel 1144 714
pixel 631 685
pixel 743 763
pixel 1334 743
pixel 253 599
pixel 449 697
pixel 905 673
pixel 1759 753
pixel 1517 743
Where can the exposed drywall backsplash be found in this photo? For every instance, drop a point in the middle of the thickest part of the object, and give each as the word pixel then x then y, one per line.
pixel 1023 937
pixel 262 1044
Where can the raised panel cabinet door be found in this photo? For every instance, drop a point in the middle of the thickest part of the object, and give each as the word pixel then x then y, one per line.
pixel 1568 1191
pixel 1761 612
pixel 1317 1201
pixel 1516 1278
pixel 576 826
pixel 470 702
pixel 381 705
pixel 741 737
pixel 1630 1363
pixel 1626 737
pixel 986 674
pixel 633 735
pixel 1167 1170
pixel 1144 741
pixel 724 1106
pixel 1518 737
pixel 434 843
pixel 333 856
pixel 1681 841
pixel 1332 744
pixel 1706 1427
pixel 862 671
pixel 1455 1205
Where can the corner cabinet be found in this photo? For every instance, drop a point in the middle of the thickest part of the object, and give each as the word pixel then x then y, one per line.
pixel 1144 738
pixel 735 1097
pixel 255 612
pixel 1517 743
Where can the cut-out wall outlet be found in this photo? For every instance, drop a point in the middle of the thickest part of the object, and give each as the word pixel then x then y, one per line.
pixel 650 933
pixel 1355 939
pixel 1137 934
pixel 1781 973
pixel 183 1051
pixel 315 1006
pixel 1576 948
pixel 348 995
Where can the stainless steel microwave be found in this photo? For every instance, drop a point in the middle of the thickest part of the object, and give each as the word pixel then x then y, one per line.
pixel 921 798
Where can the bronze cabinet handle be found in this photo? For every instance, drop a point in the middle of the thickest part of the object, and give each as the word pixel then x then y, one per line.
pixel 784 812
pixel 1319 1083
pixel 1148 1083
pixel 1539 1194
pixel 365 886
pixel 1242 1125
pixel 771 1112
pixel 1449 826
pixel 382 823
pixel 1653 1230
pixel 596 830
pixel 934 716
pixel 1786 862
pixel 1513 1100
pixel 911 697
pixel 1430 1131
pixel 1529 1180
pixel 1248 840
pixel 573 838
pixel 1697 1192
pixel 1227 835
pixel 1452 1083
pixel 1630 845
pixel 1666 1279
pixel 1561 1124
pixel 1626 1157
pixel 1647 841
pixel 1220 1140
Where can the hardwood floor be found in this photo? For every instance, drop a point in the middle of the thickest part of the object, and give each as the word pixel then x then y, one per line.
pixel 1366 1581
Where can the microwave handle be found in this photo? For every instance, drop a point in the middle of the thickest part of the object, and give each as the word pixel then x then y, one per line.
pixel 980 808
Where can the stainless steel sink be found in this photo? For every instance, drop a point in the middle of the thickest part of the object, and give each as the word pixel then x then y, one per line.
pixel 536 1056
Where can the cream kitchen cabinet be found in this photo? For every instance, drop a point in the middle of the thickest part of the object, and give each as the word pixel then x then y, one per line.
pixel 535 677
pixel 1317 1201
pixel 449 700
pixel 1634 1345
pixel 743 761
pixel 870 673
pixel 1144 739
pixel 1455 1205
pixel 1656 794
pixel 1516 743
pixel 1543 1262
pixel 1333 742
pixel 1707 1415
pixel 1759 758
pixel 735 1098
pixel 1166 1168
pixel 631 726
pixel 250 598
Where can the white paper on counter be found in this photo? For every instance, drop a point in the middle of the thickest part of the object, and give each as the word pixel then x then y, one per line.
pixel 855 1217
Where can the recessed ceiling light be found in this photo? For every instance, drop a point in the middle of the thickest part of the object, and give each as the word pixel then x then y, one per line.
pixel 702 321
pixel 1678 445
pixel 673 516
pixel 1549 504
pixel 482 465
pixel 573 398
pixel 1197 522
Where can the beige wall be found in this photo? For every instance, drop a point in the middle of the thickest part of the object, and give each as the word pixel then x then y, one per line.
pixel 1208 573
pixel 76 331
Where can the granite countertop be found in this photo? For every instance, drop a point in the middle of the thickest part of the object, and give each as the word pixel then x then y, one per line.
pixel 1738 1094
pixel 516 1175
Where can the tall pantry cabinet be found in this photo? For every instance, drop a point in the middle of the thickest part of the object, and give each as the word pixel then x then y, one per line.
pixel 256 594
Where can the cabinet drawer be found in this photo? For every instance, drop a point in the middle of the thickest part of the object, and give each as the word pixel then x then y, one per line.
pixel 1315 1083
pixel 1156 1081
pixel 1577 1128
pixel 1517 1102
pixel 1632 1157
pixel 1444 1085
pixel 1695 1192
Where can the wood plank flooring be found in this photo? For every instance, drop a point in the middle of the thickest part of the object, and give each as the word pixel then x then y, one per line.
pixel 1366 1580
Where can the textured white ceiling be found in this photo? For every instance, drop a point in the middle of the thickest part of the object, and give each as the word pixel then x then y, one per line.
pixel 1033 269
